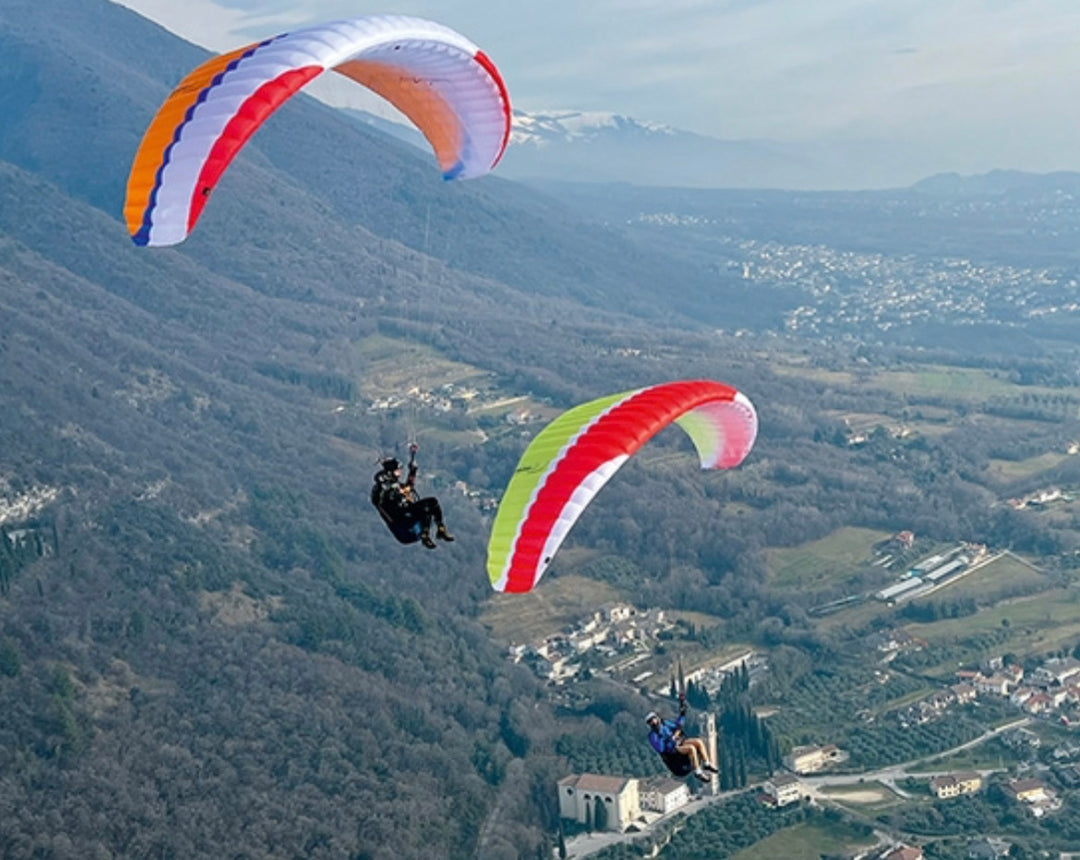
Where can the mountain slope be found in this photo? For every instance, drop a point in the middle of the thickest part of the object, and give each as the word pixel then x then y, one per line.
pixel 209 645
pixel 86 78
pixel 219 649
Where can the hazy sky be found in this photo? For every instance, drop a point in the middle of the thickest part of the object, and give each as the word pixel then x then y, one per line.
pixel 969 85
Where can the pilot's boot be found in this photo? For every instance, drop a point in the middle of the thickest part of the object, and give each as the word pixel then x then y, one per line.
pixel 425 539
pixel 442 534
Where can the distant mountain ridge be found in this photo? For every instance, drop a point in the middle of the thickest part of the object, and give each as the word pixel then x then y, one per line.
pixel 607 147
pixel 999 182
pixel 599 146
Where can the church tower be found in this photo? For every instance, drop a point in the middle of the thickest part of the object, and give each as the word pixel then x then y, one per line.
pixel 711 746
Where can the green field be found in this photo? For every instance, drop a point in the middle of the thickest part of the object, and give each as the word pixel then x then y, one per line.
pixel 384 365
pixel 1011 470
pixel 807 841
pixel 832 558
pixel 1037 624
pixel 981 757
pixel 989 583
pixel 968 385
pixel 956 383
pixel 986 585
pixel 835 378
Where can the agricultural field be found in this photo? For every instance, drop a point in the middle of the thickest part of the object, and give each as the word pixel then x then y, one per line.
pixel 989 756
pixel 1037 624
pixel 1004 576
pixel 964 384
pixel 1014 470
pixel 808 841
pixel 938 382
pixel 561 602
pixel 834 378
pixel 385 366
pixel 831 559
pixel 998 580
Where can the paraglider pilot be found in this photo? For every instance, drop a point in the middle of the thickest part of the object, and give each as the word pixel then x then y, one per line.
pixel 405 514
pixel 681 754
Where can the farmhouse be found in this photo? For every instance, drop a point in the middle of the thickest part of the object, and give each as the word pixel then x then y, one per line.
pixel 580 795
pixel 888 641
pixel 782 789
pixel 811 759
pixel 956 784
pixel 904 539
pixel 1027 790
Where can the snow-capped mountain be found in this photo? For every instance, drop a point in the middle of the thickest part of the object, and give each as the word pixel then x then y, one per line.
pixel 588 146
pixel 553 127
pixel 595 146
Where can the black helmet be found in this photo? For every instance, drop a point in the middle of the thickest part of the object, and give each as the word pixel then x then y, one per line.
pixel 390 464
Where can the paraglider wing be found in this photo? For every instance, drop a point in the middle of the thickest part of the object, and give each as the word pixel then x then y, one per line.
pixel 435 76
pixel 576 454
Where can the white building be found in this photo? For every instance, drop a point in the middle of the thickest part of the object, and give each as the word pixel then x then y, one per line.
pixel 811 759
pixel 995 685
pixel 618 612
pixel 898 589
pixel 1058 671
pixel 580 793
pixel 954 566
pixel 664 795
pixel 783 788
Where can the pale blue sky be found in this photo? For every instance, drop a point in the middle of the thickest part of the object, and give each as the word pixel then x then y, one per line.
pixel 969 85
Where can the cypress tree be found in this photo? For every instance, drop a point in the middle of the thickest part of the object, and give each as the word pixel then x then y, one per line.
pixel 601 817
pixel 10 662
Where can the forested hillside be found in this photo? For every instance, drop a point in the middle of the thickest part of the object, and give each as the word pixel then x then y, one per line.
pixel 209 645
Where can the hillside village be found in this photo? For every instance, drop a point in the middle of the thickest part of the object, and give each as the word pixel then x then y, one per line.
pixel 619 634
pixel 1048 692
pixel 619 640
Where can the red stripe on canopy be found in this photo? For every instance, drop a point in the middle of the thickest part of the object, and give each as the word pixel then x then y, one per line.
pixel 256 108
